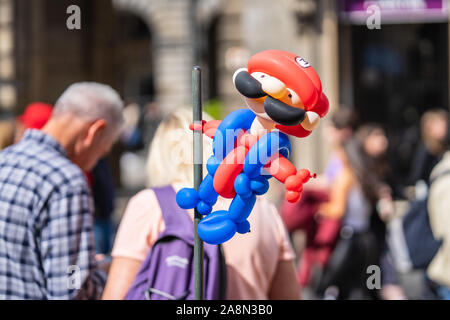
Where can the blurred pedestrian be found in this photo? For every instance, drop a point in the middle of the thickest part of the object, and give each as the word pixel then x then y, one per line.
pixel 35 116
pixel 321 234
pixel 434 130
pixel 260 265
pixel 103 190
pixel 355 193
pixel 47 203
pixel 439 215
pixel 343 125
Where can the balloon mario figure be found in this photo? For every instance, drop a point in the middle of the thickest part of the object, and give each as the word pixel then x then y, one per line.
pixel 284 96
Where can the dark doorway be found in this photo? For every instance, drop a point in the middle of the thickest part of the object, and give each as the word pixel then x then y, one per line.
pixel 398 73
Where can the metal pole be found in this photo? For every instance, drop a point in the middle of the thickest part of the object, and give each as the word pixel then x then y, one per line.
pixel 198 177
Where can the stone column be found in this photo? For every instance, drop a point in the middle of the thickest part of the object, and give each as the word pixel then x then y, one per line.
pixel 8 92
pixel 318 42
pixel 36 79
pixel 329 64
pixel 172 48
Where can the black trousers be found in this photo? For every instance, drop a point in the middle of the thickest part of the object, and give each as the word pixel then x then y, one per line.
pixel 347 268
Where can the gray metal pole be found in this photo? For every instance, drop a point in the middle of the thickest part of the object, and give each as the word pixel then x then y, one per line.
pixel 198 177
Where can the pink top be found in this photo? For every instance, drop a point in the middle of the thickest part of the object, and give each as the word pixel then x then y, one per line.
pixel 251 259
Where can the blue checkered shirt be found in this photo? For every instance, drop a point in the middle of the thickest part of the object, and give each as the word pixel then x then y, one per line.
pixel 46 224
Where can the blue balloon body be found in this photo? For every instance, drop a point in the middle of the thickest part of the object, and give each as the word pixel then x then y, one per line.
pixel 267 146
pixel 217 228
pixel 243 227
pixel 212 165
pixel 220 226
pixel 228 130
pixel 241 208
pixel 204 208
pixel 187 198
pixel 206 190
pixel 242 186
pixel 259 185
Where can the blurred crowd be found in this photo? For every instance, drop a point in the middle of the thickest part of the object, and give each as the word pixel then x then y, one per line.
pixel 351 218
pixel 357 233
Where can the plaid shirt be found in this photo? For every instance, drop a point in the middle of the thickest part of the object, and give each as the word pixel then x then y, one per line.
pixel 46 228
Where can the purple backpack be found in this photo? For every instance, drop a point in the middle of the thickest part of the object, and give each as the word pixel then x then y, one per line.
pixel 167 272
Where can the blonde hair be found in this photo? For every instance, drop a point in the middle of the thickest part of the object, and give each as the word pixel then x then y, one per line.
pixel 170 156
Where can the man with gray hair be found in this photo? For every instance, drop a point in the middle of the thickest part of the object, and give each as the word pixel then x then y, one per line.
pixel 46 207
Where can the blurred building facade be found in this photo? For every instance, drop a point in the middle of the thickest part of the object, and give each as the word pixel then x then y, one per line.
pixel 7 67
pixel 146 49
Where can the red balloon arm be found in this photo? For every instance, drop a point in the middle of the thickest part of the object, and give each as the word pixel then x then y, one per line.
pixel 280 168
pixel 284 171
pixel 209 128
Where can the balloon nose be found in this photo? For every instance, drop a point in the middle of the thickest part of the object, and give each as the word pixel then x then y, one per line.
pixel 273 87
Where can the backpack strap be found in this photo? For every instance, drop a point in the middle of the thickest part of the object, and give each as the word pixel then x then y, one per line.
pixel 180 224
pixel 176 219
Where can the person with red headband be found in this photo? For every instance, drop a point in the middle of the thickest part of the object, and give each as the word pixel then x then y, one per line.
pixel 47 205
pixel 35 116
